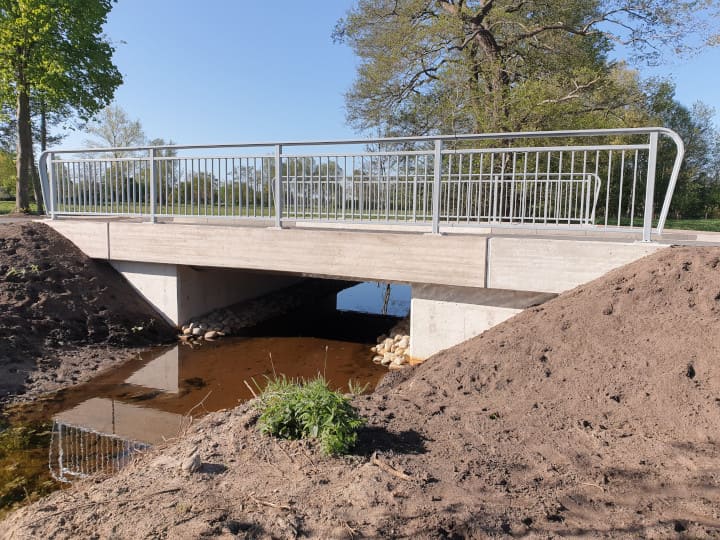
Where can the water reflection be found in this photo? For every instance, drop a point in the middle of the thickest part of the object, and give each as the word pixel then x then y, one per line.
pixel 97 426
pixel 376 298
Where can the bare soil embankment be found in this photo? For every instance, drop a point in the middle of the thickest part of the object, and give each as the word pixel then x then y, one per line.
pixel 594 415
pixel 63 316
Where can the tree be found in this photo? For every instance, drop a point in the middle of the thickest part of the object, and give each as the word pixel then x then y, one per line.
pixel 509 65
pixel 113 128
pixel 53 50
pixel 697 192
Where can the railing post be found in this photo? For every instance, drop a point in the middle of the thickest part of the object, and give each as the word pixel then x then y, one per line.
pixel 153 202
pixel 437 171
pixel 650 187
pixel 278 186
pixel 51 185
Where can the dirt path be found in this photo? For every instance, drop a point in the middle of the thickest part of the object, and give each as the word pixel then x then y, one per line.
pixel 594 415
pixel 64 316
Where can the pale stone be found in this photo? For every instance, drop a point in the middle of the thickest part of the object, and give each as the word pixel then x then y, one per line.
pixel 387 358
pixel 388 343
pixel 192 464
pixel 377 359
pixel 398 361
pixel 186 331
pixel 404 343
pixel 212 334
pixel 196 331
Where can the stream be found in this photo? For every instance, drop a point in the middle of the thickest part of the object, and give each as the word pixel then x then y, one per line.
pixel 96 426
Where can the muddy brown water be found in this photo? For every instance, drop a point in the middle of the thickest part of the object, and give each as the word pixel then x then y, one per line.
pixel 152 397
pixel 146 398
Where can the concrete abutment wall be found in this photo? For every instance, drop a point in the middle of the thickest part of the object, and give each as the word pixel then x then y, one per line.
pixel 182 292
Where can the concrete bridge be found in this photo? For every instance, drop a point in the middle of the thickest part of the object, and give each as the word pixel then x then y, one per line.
pixel 481 226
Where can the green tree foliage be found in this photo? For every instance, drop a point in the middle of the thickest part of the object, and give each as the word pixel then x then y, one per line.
pixel 697 192
pixel 509 65
pixel 53 51
pixel 7 174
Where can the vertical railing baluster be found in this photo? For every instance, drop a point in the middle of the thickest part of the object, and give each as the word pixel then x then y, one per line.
pixel 437 169
pixel 278 186
pixel 153 177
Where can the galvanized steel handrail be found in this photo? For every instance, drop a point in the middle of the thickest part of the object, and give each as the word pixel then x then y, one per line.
pixel 433 186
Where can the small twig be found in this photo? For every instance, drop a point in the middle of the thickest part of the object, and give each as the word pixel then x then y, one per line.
pixel 387 468
pixel 272 364
pixel 250 388
pixel 268 503
pixel 353 532
pixel 592 485
pixel 187 414
pixel 283 450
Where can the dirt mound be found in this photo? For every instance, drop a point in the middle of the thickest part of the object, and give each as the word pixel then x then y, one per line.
pixel 53 297
pixel 594 415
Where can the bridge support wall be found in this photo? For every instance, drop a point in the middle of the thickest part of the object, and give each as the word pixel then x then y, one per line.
pixel 181 292
pixel 445 316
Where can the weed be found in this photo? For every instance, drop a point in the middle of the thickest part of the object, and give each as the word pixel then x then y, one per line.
pixel 357 389
pixel 12 272
pixel 296 409
pixel 142 326
pixel 22 272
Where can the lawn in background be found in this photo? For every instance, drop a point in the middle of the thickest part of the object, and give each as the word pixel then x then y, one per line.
pixel 694 224
pixel 8 206
pixel 688 224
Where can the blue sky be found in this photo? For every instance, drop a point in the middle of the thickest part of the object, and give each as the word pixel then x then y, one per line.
pixel 223 71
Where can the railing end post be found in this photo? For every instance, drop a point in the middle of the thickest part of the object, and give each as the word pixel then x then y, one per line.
pixel 650 188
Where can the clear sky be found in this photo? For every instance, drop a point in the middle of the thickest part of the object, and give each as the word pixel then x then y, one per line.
pixel 220 71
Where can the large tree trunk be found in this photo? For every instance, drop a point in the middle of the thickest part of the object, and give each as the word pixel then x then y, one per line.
pixel 24 152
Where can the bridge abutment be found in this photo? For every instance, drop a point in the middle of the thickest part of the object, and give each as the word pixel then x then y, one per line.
pixel 181 292
pixel 442 317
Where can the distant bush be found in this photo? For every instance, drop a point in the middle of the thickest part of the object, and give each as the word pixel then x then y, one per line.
pixel 297 409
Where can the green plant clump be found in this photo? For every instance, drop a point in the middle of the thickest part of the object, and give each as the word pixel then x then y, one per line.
pixel 296 409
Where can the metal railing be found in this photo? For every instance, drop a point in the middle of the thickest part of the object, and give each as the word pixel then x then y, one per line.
pixel 588 180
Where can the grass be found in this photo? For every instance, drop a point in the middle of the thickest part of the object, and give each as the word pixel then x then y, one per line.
pixel 712 225
pixel 6 207
pixel 298 409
